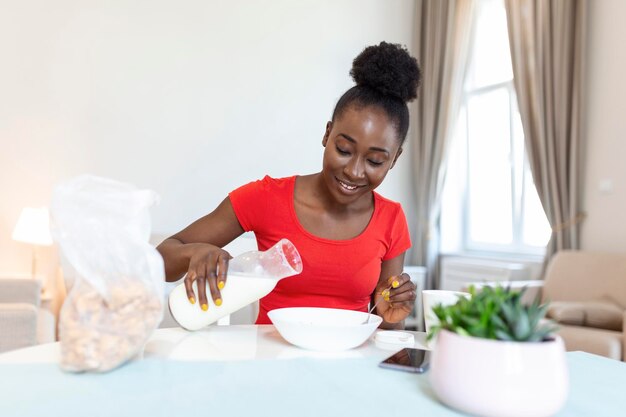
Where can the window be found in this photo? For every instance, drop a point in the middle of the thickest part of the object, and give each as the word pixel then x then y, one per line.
pixel 490 203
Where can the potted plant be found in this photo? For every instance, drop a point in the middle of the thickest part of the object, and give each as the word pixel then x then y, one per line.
pixel 495 356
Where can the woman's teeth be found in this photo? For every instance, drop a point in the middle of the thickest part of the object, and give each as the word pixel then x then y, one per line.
pixel 346 186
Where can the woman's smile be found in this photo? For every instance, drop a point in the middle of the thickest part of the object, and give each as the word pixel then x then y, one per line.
pixel 348 187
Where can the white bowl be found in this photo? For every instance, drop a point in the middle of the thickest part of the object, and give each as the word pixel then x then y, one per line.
pixel 324 329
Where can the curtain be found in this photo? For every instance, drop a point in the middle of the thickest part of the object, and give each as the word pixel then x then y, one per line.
pixel 441 44
pixel 547 50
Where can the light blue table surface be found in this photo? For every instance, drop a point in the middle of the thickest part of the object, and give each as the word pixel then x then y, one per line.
pixel 296 387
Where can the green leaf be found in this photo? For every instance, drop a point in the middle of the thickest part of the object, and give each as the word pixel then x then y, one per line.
pixel 462 331
pixel 469 321
pixel 494 313
pixel 497 321
pixel 522 330
pixel 503 335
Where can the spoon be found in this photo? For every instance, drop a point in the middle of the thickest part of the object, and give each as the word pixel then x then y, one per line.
pixel 369 313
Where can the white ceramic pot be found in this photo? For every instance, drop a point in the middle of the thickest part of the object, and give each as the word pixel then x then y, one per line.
pixel 495 378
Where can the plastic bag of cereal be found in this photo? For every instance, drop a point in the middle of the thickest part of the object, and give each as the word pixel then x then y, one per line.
pixel 102 228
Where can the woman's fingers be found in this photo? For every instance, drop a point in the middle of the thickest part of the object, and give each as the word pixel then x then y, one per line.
pixel 212 278
pixel 398 281
pixel 403 289
pixel 189 286
pixel 200 280
pixel 208 268
pixel 201 283
pixel 407 288
pixel 401 283
pixel 399 294
pixel 222 269
pixel 405 297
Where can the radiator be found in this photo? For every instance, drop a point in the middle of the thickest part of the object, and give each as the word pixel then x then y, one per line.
pixel 457 272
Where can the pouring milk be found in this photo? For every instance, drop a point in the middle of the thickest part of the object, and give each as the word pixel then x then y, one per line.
pixel 251 276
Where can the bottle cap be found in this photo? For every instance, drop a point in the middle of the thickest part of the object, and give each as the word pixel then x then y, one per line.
pixel 395 337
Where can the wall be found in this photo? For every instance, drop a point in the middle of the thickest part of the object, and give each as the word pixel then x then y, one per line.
pixel 189 98
pixel 604 228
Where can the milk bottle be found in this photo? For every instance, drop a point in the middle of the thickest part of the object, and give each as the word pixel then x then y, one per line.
pixel 251 276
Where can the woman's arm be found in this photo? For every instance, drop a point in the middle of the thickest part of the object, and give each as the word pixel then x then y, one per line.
pixel 395 294
pixel 196 250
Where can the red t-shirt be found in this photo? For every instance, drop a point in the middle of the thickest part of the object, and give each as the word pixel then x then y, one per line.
pixel 335 273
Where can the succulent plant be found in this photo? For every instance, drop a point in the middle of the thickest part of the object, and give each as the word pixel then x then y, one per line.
pixel 494 313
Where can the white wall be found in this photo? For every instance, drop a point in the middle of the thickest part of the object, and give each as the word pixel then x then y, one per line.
pixel 190 98
pixel 605 228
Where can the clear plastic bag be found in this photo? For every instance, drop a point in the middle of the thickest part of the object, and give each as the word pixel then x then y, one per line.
pixel 102 228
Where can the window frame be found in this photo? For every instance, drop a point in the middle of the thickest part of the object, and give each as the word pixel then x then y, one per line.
pixel 518 178
pixel 455 217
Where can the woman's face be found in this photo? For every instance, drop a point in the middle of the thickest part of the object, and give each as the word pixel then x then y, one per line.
pixel 361 146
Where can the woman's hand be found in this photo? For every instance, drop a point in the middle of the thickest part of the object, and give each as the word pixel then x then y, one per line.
pixel 208 263
pixel 395 298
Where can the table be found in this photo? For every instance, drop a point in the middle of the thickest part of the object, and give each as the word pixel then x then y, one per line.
pixel 251 370
pixel 219 343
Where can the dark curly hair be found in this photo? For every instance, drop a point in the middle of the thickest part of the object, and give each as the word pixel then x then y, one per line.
pixel 386 76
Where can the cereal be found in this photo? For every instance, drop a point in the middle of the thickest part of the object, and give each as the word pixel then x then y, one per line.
pixel 98 333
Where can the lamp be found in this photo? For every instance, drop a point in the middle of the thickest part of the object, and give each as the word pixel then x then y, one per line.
pixel 33 227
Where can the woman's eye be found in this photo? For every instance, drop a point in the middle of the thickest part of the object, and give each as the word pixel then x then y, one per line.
pixel 375 163
pixel 341 151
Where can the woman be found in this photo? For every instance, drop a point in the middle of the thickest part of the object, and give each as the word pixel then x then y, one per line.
pixel 352 240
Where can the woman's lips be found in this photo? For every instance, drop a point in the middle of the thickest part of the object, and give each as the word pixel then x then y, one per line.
pixel 346 187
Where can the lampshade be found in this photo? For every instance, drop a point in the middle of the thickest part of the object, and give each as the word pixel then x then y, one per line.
pixel 33 226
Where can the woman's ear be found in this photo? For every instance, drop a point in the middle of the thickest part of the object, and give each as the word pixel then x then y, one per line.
pixel 396 157
pixel 329 127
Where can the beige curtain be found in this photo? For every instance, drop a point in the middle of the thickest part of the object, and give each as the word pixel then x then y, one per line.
pixel 441 44
pixel 547 49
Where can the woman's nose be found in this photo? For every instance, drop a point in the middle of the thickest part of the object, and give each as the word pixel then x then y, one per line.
pixel 355 169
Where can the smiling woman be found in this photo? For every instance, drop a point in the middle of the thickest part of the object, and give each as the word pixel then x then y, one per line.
pixel 351 239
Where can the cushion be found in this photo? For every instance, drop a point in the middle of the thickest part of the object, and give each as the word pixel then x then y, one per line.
pixel 603 315
pixel 597 341
pixel 597 314
pixel 565 312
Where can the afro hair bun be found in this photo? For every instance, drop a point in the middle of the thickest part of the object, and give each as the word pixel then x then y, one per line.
pixel 389 69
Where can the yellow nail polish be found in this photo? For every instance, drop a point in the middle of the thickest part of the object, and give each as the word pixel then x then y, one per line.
pixel 192 300
pixel 395 284
pixel 205 307
pixel 220 285
pixel 386 297
pixel 218 302
pixel 385 293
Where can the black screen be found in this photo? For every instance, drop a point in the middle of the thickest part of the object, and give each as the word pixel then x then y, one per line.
pixel 415 358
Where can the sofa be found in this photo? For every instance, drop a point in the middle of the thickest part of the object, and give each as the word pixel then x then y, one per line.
pixel 23 322
pixel 587 295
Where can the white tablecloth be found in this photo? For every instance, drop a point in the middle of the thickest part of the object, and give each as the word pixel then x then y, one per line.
pixel 291 385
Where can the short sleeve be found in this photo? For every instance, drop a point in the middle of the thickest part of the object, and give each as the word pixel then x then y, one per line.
pixel 399 238
pixel 248 201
